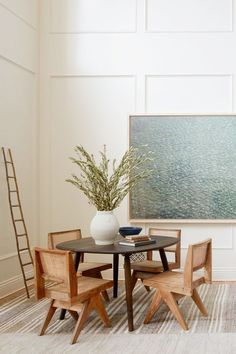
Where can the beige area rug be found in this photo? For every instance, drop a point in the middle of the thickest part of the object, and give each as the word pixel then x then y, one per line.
pixel 21 318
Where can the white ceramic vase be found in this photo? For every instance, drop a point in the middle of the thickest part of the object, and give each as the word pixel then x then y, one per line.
pixel 104 227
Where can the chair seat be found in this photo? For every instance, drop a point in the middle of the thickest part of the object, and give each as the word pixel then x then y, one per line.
pixel 86 287
pixel 150 266
pixel 174 279
pixel 93 267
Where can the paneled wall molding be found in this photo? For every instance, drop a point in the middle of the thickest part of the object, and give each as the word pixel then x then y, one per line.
pixel 10 255
pixel 91 32
pixel 224 273
pixel 53 76
pixel 213 80
pixel 229 246
pixel 116 95
pixel 190 75
pixel 222 236
pixel 18 40
pixel 17 64
pixel 19 49
pixel 182 62
pixel 140 93
pixel 87 21
pixel 233 93
pixel 168 27
pixel 7 256
pixel 18 16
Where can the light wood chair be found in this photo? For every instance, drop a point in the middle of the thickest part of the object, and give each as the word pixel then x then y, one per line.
pixel 89 269
pixel 172 285
pixel 145 269
pixel 75 294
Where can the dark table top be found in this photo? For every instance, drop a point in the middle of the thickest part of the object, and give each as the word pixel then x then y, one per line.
pixel 87 245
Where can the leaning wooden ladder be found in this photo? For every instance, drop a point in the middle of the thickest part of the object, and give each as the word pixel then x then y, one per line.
pixel 21 235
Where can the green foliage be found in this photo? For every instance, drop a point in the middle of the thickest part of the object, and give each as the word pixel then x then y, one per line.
pixel 105 184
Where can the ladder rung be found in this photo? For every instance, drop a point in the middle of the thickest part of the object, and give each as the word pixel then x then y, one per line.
pixel 14 191
pixel 20 235
pixel 11 177
pixel 23 249
pixel 29 278
pixel 25 264
pixel 15 205
pixel 18 220
pixel 9 162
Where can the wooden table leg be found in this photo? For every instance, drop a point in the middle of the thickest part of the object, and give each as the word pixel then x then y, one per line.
pixel 115 273
pixel 164 259
pixel 128 288
pixel 62 314
pixel 77 259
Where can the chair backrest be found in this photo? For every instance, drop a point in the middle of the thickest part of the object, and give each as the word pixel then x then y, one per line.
pixel 62 236
pixel 175 248
pixel 199 256
pixel 58 267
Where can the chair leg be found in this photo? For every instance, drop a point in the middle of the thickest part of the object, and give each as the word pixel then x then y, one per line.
pixel 154 306
pixel 48 318
pixel 99 307
pixel 105 296
pixel 170 300
pixel 146 287
pixel 73 314
pixel 83 315
pixel 196 298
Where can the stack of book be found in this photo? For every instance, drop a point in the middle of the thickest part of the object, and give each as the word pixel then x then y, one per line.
pixel 137 240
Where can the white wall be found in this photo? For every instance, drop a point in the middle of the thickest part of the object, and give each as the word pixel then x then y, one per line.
pixel 19 123
pixel 104 59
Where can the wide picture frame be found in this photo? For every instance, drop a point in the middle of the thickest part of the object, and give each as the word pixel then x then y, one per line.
pixel 193 171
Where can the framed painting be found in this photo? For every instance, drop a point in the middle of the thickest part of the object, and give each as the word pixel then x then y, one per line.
pixel 193 176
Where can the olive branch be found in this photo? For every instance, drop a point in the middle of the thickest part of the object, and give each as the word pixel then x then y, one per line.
pixel 107 190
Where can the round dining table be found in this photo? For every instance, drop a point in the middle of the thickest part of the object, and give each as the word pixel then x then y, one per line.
pixel 87 245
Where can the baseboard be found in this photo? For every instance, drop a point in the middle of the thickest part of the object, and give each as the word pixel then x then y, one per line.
pixel 228 274
pixel 218 274
pixel 13 284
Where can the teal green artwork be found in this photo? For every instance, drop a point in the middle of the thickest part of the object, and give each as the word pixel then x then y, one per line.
pixel 193 169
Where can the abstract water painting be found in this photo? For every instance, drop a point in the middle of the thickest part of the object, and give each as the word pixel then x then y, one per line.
pixel 193 170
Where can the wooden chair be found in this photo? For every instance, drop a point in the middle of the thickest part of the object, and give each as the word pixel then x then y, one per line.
pixel 75 294
pixel 173 285
pixel 89 269
pixel 145 269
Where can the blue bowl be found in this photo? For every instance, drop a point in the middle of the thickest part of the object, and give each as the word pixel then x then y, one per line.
pixel 129 230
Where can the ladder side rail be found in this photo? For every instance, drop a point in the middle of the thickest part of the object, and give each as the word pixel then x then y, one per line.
pixel 9 198
pixel 13 220
pixel 20 207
